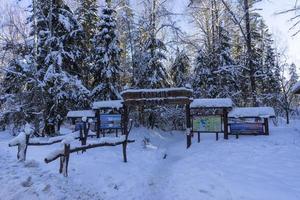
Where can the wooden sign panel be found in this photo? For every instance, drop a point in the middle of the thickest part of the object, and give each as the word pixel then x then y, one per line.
pixel 246 128
pixel 110 121
pixel 211 123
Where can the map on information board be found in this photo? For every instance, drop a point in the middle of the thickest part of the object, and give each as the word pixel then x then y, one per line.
pixel 207 123
pixel 110 121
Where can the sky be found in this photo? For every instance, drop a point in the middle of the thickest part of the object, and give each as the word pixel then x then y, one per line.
pixel 279 24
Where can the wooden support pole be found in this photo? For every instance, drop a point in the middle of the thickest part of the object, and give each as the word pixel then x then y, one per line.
pixel 225 116
pixel 98 123
pixel 198 137
pixel 217 136
pixel 188 126
pixel 22 149
pixel 125 131
pixel 266 124
pixel 64 161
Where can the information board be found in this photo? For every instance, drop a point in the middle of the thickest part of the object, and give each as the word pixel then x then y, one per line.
pixel 110 121
pixel 207 123
pixel 246 128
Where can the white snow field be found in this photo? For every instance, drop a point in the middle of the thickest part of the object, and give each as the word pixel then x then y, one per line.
pixel 248 168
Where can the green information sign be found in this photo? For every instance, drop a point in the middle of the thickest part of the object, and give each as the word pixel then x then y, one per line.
pixel 207 123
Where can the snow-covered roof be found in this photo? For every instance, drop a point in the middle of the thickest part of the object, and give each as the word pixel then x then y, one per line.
pixel 80 113
pixel 108 104
pixel 296 88
pixel 156 90
pixel 212 103
pixel 262 112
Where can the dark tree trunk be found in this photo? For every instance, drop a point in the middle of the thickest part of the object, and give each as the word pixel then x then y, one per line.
pixel 249 53
pixel 287 114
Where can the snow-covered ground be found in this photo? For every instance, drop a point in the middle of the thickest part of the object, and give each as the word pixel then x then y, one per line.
pixel 250 168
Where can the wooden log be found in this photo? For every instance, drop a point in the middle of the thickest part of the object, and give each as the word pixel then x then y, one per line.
pixel 43 143
pixel 54 158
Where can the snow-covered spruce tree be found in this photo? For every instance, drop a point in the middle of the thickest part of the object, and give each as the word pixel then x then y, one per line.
pixel 87 16
pixel 203 82
pixel 270 81
pixel 106 69
pixel 58 61
pixel 153 74
pixel 180 69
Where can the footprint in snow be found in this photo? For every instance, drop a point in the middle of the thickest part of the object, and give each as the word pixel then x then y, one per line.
pixel 27 183
pixel 31 163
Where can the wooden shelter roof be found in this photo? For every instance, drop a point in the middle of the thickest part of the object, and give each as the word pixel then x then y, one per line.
pixel 212 103
pixel 81 113
pixel 296 88
pixel 111 104
pixel 157 96
pixel 261 112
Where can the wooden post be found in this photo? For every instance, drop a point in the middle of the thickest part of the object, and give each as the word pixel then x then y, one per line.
pixel 198 137
pixel 125 132
pixel 21 155
pixel 64 161
pixel 266 124
pixel 98 123
pixel 81 135
pixel 188 126
pixel 217 136
pixel 85 132
pixel 225 116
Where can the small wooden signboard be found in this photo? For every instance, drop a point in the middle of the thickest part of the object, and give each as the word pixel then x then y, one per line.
pixel 110 121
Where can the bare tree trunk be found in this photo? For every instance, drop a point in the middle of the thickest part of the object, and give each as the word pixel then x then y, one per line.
pixel 249 53
pixel 287 114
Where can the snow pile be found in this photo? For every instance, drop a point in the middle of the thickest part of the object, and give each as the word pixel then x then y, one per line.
pixel 54 153
pixel 109 140
pixel 81 113
pixel 250 168
pixel 262 112
pixel 212 103
pixel 19 140
pixel 108 104
pixel 53 139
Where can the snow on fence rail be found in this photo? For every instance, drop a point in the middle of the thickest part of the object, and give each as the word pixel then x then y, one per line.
pixel 66 149
pixel 23 140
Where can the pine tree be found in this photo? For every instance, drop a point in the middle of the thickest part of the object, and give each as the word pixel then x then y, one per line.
pixel 57 61
pixel 153 74
pixel 106 80
pixel 180 69
pixel 88 18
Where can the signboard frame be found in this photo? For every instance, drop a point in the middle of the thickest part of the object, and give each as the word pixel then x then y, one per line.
pixel 260 129
pixel 221 130
pixel 106 119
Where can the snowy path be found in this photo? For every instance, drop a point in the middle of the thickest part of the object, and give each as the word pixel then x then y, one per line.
pixel 250 168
